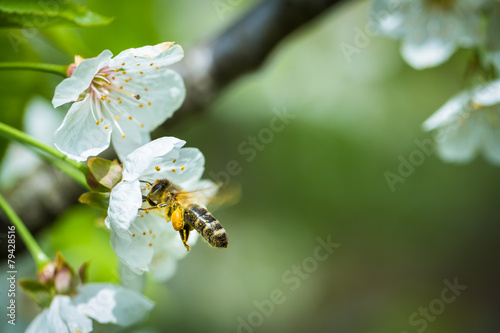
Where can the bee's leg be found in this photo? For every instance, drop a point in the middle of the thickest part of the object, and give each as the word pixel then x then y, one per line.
pixel 155 206
pixel 177 219
pixel 184 232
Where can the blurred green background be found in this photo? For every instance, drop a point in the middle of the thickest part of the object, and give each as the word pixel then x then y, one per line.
pixel 322 176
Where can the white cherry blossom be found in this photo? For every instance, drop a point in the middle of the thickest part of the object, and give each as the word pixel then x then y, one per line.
pixel 147 241
pixel 102 302
pixel 430 30
pixel 468 125
pixel 120 99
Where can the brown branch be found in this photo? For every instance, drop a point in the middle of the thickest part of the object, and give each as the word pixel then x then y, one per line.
pixel 243 47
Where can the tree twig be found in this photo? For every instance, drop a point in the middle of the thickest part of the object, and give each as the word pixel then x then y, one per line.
pixel 242 48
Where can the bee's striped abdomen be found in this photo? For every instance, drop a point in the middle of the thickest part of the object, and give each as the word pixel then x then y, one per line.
pixel 205 223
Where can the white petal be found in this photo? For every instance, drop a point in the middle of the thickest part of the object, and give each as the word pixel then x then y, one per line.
pixel 108 303
pixel 167 245
pixel 427 53
pixel 131 248
pixel 460 141
pixel 79 137
pixel 187 169
pixel 449 112
pixel 144 157
pixel 390 16
pixel 491 136
pixel 131 280
pixel 61 317
pixel 148 54
pixel 161 92
pixel 70 89
pixel 124 202
pixel 135 137
pixel 488 94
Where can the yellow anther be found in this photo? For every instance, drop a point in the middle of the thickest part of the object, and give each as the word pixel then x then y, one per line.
pixel 117 118
pixel 183 167
pixel 157 168
pixel 123 135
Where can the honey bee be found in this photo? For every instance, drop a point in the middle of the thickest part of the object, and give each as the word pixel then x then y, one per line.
pixel 176 205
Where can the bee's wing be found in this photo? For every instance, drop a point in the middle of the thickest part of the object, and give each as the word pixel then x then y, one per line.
pixel 212 195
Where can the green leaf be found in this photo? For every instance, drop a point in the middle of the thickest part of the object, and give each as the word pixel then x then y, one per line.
pixel 103 173
pixel 47 13
pixel 97 200
pixel 36 291
pixel 83 272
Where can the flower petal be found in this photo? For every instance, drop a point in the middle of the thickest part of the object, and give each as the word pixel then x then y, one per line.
pixel 61 317
pixel 449 112
pixel 108 303
pixel 426 53
pixel 488 95
pixel 390 16
pixel 70 89
pixel 125 200
pixel 79 137
pixel 166 243
pixel 162 54
pixel 460 141
pixel 131 280
pixel 134 138
pixel 187 168
pixel 145 157
pixel 161 92
pixel 131 249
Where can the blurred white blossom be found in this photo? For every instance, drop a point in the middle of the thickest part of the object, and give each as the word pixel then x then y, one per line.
pixel 146 242
pixel 102 302
pixel 468 125
pixel 430 30
pixel 120 99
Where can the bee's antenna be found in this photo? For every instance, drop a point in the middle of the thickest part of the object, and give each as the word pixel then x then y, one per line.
pixel 144 181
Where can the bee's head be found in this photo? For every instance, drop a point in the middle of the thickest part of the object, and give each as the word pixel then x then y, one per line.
pixel 159 187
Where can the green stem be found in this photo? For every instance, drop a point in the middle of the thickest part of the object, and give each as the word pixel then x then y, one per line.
pixel 15 134
pixel 37 253
pixel 34 66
